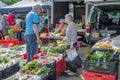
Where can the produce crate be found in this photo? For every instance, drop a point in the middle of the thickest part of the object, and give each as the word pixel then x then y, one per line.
pixel 5 43
pixel 16 67
pixel 111 67
pixel 52 74
pixel 60 67
pixel 98 76
pixel 7 72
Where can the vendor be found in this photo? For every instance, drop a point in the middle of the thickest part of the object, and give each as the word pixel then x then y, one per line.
pixel 62 27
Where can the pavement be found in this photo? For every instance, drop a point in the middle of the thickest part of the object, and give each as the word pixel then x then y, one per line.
pixel 82 54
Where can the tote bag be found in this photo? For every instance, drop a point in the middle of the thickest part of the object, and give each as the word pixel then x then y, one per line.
pixel 71 54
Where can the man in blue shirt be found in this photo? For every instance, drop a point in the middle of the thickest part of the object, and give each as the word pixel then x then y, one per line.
pixel 32 31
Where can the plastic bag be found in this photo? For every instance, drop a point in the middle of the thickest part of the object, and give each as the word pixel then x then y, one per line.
pixel 73 65
pixel 71 54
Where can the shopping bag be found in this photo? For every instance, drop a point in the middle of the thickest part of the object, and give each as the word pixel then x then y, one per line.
pixel 71 54
pixel 75 64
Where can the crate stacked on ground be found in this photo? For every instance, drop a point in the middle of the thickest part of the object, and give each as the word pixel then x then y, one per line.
pixel 104 62
pixel 9 42
pixel 9 67
pixel 98 76
pixel 8 62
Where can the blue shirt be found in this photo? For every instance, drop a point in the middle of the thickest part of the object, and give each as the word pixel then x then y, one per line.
pixel 32 18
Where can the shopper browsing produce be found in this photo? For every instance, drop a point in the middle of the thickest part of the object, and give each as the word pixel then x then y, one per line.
pixel 71 32
pixel 32 31
pixel 71 39
pixel 10 18
pixel 4 25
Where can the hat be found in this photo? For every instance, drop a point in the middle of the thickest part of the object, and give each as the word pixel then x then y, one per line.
pixel 10 10
pixel 62 20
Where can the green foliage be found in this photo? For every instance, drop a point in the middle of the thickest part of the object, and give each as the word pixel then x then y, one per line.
pixel 9 2
pixel 78 1
pixel 87 50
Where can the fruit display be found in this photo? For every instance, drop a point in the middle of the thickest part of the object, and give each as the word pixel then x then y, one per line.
pixel 44 35
pixel 103 44
pixel 50 54
pixel 34 68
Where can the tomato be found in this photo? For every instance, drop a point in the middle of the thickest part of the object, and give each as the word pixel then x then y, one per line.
pixel 35 57
pixel 25 56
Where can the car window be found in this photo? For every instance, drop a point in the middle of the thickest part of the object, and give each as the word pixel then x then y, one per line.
pixel 93 16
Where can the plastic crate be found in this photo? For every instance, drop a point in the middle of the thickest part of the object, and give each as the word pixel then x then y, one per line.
pixel 60 67
pixel 16 67
pixel 7 72
pixel 98 76
pixel 111 67
pixel 5 43
pixel 52 74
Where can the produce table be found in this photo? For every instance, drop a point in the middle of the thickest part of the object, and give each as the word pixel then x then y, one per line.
pixel 51 53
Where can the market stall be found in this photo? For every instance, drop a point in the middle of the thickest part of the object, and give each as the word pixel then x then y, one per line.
pixel 45 65
pixel 103 61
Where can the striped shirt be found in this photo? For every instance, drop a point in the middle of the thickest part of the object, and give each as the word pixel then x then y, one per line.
pixel 71 33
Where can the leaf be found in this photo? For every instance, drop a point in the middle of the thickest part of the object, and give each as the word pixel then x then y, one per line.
pixel 9 2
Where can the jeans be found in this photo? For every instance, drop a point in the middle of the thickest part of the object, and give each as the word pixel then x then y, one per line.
pixel 31 45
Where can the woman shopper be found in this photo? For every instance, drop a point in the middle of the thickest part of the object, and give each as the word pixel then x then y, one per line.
pixel 71 40
pixel 4 25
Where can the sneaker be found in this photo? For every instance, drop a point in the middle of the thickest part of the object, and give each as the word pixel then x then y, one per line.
pixel 67 71
pixel 71 73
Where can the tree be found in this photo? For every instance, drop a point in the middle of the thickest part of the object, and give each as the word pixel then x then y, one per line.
pixel 78 1
pixel 9 2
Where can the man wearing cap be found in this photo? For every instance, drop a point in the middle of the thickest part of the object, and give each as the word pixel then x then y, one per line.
pixel 32 31
pixel 10 18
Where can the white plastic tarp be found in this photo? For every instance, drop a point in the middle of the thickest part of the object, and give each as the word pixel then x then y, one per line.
pixel 25 6
pixel 26 3
pixel 2 4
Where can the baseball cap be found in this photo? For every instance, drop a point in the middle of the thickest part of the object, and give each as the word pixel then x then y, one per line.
pixel 10 10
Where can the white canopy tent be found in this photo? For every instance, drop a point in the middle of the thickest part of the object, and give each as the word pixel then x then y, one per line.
pixel 25 6
pixel 2 4
pixel 27 3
